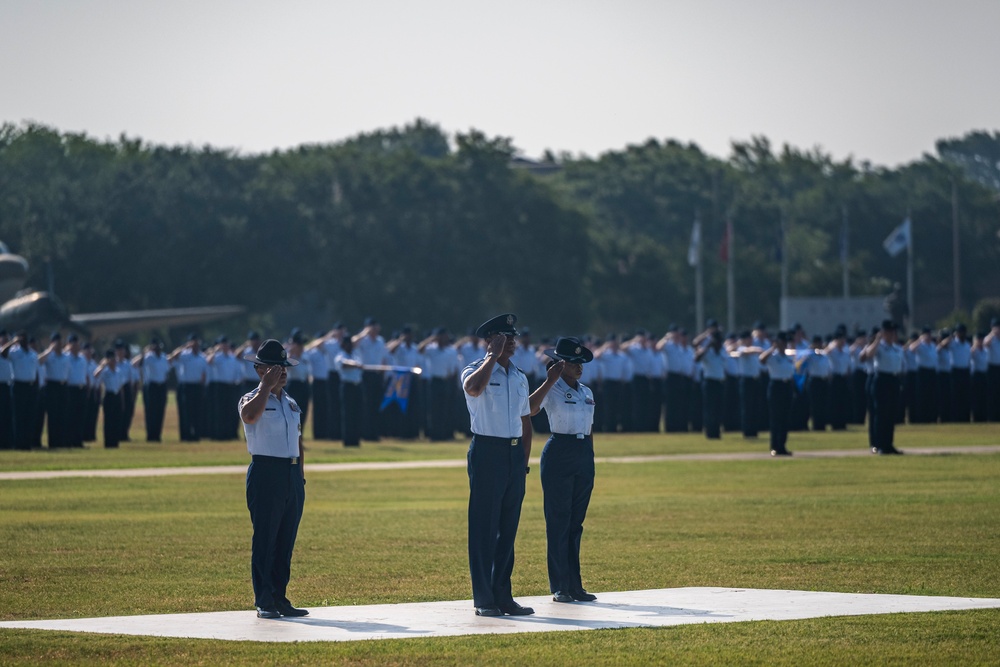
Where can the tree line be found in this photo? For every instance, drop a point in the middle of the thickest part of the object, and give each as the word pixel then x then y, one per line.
pixel 417 227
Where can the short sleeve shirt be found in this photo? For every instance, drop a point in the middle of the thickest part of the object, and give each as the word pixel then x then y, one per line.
pixel 570 410
pixel 498 410
pixel 277 431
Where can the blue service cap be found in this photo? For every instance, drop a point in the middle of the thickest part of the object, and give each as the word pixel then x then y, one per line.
pixel 501 324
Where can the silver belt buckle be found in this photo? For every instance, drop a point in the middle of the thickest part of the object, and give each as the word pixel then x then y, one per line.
pixel 294 461
pixel 513 442
pixel 580 436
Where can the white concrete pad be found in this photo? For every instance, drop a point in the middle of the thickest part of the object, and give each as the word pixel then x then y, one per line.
pixel 671 606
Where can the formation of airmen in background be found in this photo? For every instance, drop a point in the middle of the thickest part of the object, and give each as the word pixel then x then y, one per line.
pixel 362 387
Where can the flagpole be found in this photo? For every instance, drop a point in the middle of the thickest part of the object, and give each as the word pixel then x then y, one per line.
pixel 699 284
pixel 730 275
pixel 784 269
pixel 845 252
pixel 955 254
pixel 909 273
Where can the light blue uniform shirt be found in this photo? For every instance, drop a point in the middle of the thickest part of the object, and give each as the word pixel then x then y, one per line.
pixel 78 372
pixel 191 368
pixel 780 366
pixel 349 374
pixel 155 367
pixel 993 347
pixel 498 410
pixel 277 431
pixel 749 363
pixel 300 372
pixel 961 354
pixel 56 367
pixel 112 380
pixel 818 366
pixel 373 351
pixel 714 364
pixel 840 360
pixel 980 360
pixel 888 358
pixel 926 356
pixel 24 363
pixel 319 363
pixel 570 411
pixel 615 366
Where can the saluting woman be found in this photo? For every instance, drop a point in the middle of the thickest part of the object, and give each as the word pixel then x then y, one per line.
pixel 567 464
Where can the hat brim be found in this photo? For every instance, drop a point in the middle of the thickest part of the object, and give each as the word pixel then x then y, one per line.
pixel 252 358
pixel 571 358
pixel 483 332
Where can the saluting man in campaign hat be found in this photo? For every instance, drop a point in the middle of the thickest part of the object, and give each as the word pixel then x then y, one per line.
pixel 275 479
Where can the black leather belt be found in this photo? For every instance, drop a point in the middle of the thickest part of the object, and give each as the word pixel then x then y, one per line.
pixel 294 461
pixel 510 442
pixel 572 436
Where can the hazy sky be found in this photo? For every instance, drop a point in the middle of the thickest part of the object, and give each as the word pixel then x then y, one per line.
pixel 879 80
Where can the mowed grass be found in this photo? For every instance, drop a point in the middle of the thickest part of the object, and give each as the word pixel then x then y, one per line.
pixel 172 452
pixel 910 525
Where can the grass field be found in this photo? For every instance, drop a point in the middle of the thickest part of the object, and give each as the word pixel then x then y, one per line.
pixel 909 525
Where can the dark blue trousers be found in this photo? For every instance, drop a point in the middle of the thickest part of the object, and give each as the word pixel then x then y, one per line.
pixel 567 482
pixel 886 402
pixel 712 405
pixel 749 388
pixel 275 496
pixel 779 404
pixel 496 489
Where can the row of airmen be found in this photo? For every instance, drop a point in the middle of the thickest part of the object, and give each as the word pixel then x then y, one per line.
pixel 640 383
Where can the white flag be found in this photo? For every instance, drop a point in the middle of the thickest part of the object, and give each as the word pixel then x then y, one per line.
pixel 899 239
pixel 694 250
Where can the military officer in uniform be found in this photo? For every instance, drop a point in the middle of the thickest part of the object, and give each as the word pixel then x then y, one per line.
pixel 110 377
pixel 24 393
pixel 887 358
pixel 711 355
pixel 6 408
pixel 192 372
pixel 442 371
pixel 76 391
pixel 780 369
pixel 496 394
pixel 272 422
pixel 567 464
pixel 56 364
pixel 155 369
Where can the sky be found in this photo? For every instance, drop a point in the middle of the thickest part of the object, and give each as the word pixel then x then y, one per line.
pixel 873 80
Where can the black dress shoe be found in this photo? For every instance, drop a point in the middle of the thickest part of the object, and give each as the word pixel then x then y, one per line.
pixel 514 609
pixel 268 612
pixel 488 611
pixel 289 610
pixel 780 452
pixel 583 596
pixel 559 596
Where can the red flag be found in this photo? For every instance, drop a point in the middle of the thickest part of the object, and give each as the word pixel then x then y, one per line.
pixel 726 240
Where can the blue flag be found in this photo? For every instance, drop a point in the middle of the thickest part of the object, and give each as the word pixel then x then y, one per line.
pixel 397 390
